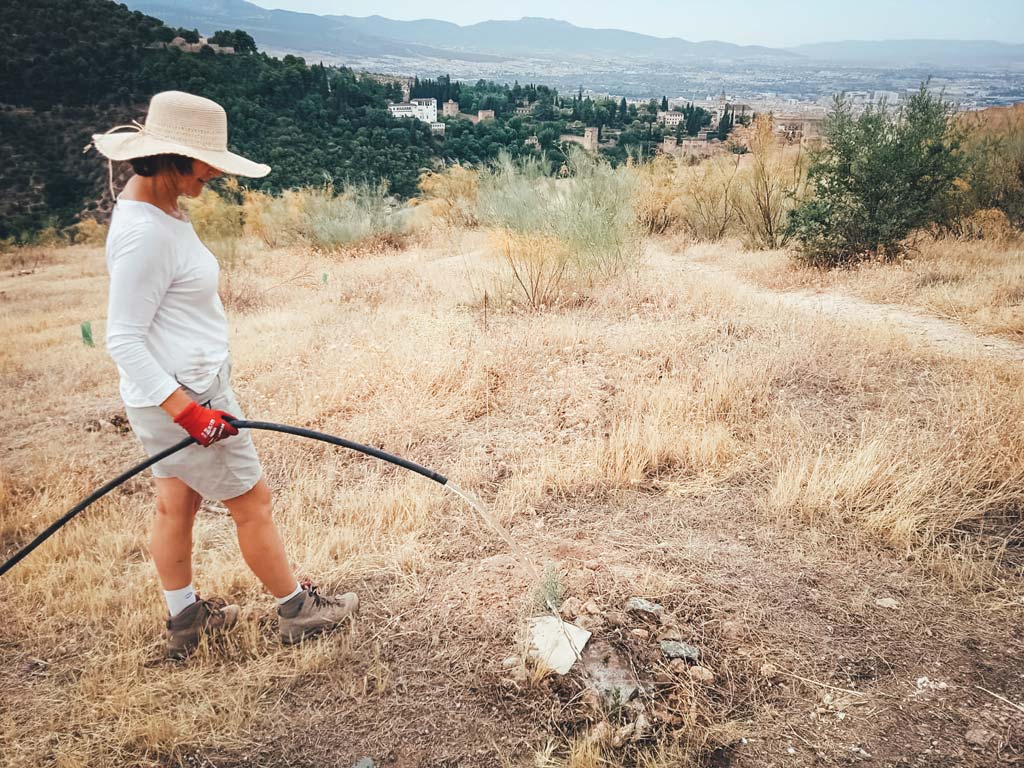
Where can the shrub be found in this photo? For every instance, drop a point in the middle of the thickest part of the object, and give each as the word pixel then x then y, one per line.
pixel 319 217
pixel 708 209
pixel 657 198
pixel 452 195
pixel 218 220
pixel 537 263
pixel 994 154
pixel 595 217
pixel 770 185
pixel 560 235
pixel 879 177
pixel 87 232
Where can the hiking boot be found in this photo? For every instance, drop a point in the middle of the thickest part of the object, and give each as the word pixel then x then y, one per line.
pixel 203 617
pixel 310 613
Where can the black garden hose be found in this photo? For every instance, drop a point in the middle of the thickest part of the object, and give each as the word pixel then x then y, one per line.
pixel 241 424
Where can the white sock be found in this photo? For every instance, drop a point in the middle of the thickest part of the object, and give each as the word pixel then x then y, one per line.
pixel 286 598
pixel 179 599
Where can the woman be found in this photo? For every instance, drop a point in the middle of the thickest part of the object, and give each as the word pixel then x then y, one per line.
pixel 167 332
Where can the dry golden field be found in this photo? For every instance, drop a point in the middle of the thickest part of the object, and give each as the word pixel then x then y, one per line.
pixel 979 284
pixel 828 507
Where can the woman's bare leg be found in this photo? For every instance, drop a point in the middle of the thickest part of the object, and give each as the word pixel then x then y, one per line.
pixel 259 540
pixel 170 542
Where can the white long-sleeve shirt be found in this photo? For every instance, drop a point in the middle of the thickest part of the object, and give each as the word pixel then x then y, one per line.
pixel 165 322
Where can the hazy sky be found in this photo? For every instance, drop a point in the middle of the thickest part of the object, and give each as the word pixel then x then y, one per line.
pixel 775 23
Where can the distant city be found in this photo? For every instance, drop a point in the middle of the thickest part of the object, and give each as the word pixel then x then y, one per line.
pixel 972 74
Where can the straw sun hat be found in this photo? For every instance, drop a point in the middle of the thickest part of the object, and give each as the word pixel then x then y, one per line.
pixel 180 124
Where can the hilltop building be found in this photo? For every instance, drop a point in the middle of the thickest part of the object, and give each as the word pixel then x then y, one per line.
pixel 450 108
pixel 183 45
pixel 588 140
pixel 799 128
pixel 421 109
pixel 670 119
pixel 484 114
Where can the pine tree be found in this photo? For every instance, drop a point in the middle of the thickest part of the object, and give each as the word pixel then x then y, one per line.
pixel 725 124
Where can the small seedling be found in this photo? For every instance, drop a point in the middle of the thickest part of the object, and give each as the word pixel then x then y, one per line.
pixel 87 334
pixel 549 592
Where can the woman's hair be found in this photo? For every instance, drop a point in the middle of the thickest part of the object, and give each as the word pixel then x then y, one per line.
pixel 154 164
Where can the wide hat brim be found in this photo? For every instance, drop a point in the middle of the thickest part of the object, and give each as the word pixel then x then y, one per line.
pixel 128 146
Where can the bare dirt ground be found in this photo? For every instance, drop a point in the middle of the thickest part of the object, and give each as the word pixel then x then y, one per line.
pixel 642 443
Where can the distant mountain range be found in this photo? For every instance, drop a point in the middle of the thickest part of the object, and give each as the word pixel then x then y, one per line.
pixel 351 37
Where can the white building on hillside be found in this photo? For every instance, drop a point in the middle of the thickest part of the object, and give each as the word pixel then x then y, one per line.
pixel 421 109
pixel 670 119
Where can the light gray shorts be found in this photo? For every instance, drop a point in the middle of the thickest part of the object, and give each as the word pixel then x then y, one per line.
pixel 228 468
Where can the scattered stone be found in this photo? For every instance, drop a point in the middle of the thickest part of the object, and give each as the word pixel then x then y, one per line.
pixel 670 632
pixel 926 684
pixel 608 674
pixel 363 762
pixel 623 735
pixel 591 699
pixel 663 714
pixel 515 670
pixel 702 675
pixel 615 619
pixel 571 607
pixel 591 607
pixel 641 634
pixel 732 630
pixel 556 644
pixel 978 737
pixel 590 623
pixel 645 609
pixel 769 671
pixel 678 650
pixel 642 727
pixel 679 666
pixel 887 602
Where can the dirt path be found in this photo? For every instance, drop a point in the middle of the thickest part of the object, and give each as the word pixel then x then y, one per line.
pixel 949 337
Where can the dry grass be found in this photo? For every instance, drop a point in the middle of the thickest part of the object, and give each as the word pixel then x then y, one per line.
pixel 743 196
pixel 979 283
pixel 556 240
pixel 451 195
pixel 592 429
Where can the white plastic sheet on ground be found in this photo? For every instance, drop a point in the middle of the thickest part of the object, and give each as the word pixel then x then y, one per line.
pixel 555 643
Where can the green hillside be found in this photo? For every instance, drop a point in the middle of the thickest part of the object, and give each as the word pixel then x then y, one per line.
pixel 312 124
pixel 309 122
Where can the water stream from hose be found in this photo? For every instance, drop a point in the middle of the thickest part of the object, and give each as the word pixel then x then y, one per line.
pixel 520 554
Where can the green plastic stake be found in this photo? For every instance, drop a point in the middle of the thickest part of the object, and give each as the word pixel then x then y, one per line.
pixel 323 277
pixel 87 334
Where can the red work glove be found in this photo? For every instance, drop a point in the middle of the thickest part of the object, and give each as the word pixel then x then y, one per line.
pixel 206 425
